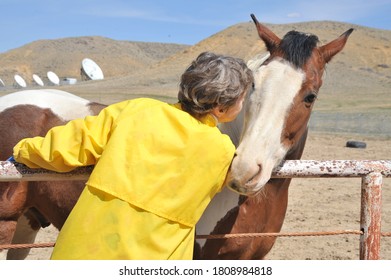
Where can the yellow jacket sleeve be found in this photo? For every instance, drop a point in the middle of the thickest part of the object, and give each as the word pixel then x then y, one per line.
pixel 78 143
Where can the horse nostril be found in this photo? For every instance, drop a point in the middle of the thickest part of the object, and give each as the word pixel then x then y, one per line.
pixel 235 186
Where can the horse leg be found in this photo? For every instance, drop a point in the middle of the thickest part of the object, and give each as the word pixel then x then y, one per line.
pixel 52 202
pixel 25 233
pixel 12 202
pixel 7 229
pixel 55 200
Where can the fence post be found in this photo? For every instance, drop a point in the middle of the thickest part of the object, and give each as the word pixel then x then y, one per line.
pixel 370 221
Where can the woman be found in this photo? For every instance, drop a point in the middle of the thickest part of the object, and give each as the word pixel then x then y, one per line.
pixel 157 166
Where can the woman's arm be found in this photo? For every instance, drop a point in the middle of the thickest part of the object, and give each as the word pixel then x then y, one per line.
pixel 78 143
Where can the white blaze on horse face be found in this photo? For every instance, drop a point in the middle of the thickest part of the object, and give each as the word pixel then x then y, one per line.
pixel 260 148
pixel 64 104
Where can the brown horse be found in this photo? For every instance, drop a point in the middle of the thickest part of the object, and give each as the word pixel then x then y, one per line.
pixel 273 127
pixel 27 206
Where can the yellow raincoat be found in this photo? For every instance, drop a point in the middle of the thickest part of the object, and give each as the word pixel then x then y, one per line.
pixel 156 170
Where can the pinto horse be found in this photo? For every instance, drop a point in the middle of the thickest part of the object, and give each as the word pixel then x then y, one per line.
pixel 25 207
pixel 272 127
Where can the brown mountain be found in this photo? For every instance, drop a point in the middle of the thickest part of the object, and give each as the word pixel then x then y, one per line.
pixel 64 56
pixel 359 76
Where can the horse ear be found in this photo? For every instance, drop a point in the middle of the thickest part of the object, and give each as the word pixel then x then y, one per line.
pixel 271 40
pixel 334 47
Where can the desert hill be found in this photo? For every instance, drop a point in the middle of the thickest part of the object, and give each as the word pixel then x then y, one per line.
pixel 64 56
pixel 358 77
pixel 365 62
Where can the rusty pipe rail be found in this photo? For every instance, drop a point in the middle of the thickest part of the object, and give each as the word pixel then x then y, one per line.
pixel 331 168
pixel 11 172
pixel 287 169
pixel 371 172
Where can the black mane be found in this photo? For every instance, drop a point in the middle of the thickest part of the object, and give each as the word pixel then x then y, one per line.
pixel 297 47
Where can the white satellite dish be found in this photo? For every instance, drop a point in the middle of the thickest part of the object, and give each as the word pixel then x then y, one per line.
pixel 53 78
pixel 2 83
pixel 38 80
pixel 20 81
pixel 91 69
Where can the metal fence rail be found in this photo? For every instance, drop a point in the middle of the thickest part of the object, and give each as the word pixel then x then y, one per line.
pixel 371 172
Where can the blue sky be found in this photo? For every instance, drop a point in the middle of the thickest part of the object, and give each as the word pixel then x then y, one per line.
pixel 175 21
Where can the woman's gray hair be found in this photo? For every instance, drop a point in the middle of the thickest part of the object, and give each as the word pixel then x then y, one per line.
pixel 213 80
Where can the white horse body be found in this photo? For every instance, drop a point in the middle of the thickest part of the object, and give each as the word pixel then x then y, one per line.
pixel 66 105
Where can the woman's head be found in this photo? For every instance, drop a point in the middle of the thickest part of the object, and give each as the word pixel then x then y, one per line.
pixel 213 81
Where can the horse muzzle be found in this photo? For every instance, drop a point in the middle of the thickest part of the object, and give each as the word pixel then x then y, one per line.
pixel 248 179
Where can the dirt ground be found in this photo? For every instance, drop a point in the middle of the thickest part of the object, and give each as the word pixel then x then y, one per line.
pixel 328 204
pixel 319 204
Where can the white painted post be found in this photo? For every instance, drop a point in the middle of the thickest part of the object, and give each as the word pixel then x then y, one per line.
pixel 370 223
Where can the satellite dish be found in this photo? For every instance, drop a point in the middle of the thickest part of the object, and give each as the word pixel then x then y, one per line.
pixel 91 69
pixel 20 81
pixel 38 80
pixel 53 78
pixel 2 83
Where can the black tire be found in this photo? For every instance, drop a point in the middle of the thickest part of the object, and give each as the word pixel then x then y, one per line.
pixel 356 144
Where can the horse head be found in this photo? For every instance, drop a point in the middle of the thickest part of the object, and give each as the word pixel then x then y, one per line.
pixel 278 109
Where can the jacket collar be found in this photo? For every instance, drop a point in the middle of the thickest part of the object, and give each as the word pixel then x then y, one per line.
pixel 208 119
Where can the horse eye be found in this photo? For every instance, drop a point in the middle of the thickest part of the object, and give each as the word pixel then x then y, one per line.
pixel 310 98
